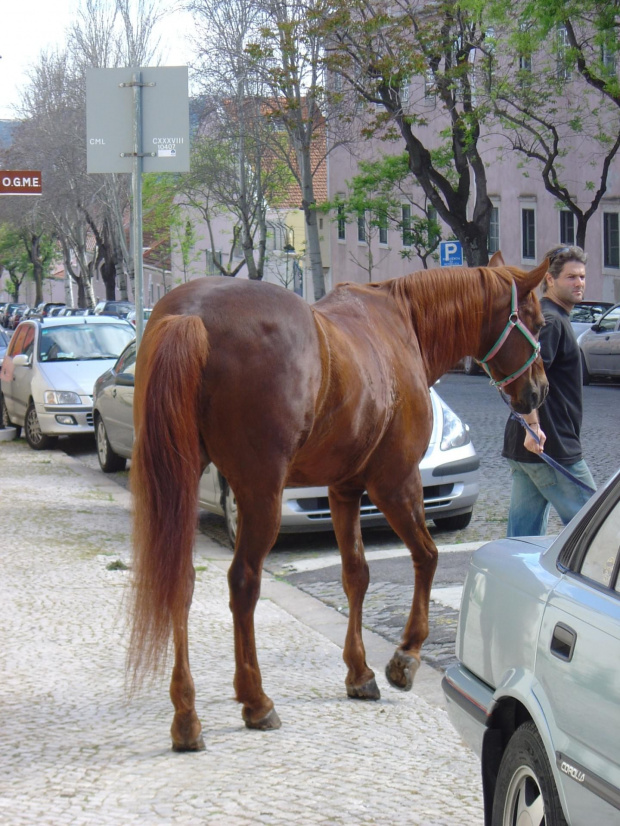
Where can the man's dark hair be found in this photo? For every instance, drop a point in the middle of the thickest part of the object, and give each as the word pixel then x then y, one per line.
pixel 560 255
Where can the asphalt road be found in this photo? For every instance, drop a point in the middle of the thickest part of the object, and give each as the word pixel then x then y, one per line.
pixel 311 562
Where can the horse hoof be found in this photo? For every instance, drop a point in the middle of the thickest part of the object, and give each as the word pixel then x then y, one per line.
pixel 368 691
pixel 196 745
pixel 269 722
pixel 401 670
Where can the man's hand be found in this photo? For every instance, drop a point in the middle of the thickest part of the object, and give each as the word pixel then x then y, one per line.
pixel 530 442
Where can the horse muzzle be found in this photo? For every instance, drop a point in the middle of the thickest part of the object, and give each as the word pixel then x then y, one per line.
pixel 530 396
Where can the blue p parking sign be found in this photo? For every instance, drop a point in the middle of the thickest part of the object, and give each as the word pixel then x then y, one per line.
pixel 451 254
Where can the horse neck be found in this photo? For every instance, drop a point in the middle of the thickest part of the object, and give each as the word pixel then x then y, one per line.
pixel 450 312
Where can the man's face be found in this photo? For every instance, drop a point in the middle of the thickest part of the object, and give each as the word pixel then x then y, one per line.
pixel 568 288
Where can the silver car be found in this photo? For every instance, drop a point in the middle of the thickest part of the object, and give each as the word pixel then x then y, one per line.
pixel 600 347
pixel 536 691
pixel 587 313
pixel 449 468
pixel 49 370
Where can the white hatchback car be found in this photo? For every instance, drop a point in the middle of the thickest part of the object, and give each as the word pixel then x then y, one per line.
pixel 449 468
pixel 49 370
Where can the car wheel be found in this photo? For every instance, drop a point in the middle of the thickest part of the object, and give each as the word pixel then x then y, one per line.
pixel 453 523
pixel 109 461
pixel 585 373
pixel 35 437
pixel 6 421
pixel 525 791
pixel 470 366
pixel 230 513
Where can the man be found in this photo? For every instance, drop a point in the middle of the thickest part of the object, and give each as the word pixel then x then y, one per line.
pixel 535 485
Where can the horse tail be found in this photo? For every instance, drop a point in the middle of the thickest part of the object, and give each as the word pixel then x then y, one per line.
pixel 165 472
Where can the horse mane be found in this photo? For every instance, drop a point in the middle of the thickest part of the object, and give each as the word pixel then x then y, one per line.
pixel 447 308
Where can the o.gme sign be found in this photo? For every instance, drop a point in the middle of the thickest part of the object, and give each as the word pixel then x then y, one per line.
pixel 22 182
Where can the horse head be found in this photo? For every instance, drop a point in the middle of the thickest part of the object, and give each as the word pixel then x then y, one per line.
pixel 513 361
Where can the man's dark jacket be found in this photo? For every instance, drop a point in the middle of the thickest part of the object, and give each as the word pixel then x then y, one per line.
pixel 561 413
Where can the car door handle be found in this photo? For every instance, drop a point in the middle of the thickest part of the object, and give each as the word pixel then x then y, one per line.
pixel 563 642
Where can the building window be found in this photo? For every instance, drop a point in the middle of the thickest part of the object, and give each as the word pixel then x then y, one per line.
pixel 405 90
pixel 611 240
pixel 383 229
pixel 341 223
pixel 406 224
pixel 525 63
pixel 361 227
pixel 608 59
pixel 563 70
pixel 276 236
pixel 528 234
pixel 567 227
pixel 212 257
pixel 430 87
pixel 493 239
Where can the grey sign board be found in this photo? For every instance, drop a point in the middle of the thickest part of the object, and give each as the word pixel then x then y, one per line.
pixel 165 119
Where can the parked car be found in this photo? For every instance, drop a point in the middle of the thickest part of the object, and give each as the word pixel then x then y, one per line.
pixel 131 316
pixel 44 309
pixel 6 313
pixel 584 315
pixel 536 690
pixel 449 468
pixel 65 311
pixel 600 347
pixel 116 308
pixel 49 370
pixel 4 343
pixel 17 315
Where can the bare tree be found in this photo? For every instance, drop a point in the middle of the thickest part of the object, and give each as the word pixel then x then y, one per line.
pixel 234 168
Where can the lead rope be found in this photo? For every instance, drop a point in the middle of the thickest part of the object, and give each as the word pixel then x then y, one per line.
pixel 551 462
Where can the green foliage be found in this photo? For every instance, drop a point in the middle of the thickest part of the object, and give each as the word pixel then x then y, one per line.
pixel 17 248
pixel 13 255
pixel 378 193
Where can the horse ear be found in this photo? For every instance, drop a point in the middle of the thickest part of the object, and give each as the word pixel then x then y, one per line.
pixel 497 260
pixel 533 278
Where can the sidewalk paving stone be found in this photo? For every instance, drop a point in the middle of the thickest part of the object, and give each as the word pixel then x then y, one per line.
pixel 76 749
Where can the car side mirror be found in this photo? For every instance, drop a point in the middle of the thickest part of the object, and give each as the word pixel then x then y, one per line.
pixel 595 328
pixel 22 360
pixel 125 380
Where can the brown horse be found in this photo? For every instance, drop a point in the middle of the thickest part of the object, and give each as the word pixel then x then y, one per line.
pixel 277 393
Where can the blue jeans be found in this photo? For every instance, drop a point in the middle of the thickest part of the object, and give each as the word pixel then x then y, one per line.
pixel 535 487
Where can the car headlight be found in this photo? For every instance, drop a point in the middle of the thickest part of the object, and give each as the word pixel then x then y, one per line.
pixel 455 433
pixel 61 397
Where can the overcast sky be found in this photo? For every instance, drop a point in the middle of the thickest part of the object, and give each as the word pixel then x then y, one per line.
pixel 29 26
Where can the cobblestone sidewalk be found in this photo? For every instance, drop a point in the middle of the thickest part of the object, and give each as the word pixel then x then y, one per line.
pixel 74 749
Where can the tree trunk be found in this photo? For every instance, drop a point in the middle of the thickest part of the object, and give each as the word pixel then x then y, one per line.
pixel 308 203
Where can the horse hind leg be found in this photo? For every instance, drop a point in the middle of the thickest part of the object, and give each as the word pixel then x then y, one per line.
pixel 345 509
pixel 256 533
pixel 186 729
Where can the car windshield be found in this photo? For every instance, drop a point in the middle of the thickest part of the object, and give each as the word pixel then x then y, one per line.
pixel 83 342
pixel 586 313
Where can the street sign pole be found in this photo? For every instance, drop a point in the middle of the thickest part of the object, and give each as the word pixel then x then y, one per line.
pixel 160 118
pixel 136 190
